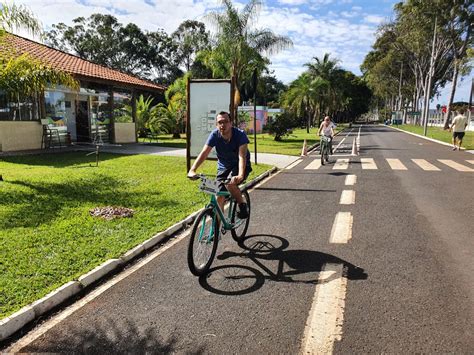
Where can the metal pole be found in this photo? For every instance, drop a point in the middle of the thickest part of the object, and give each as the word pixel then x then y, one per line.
pixel 428 87
pixel 255 115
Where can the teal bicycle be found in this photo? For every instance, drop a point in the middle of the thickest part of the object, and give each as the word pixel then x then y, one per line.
pixel 207 226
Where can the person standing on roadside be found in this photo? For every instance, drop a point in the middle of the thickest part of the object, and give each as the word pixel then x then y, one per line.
pixel 458 127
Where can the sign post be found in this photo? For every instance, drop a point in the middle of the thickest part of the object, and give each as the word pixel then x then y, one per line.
pixel 206 98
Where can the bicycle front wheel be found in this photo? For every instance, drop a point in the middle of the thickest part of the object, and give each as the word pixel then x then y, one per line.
pixel 323 151
pixel 240 230
pixel 203 242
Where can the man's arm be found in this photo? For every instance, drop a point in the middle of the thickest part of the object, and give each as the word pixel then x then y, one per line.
pixel 242 164
pixel 199 160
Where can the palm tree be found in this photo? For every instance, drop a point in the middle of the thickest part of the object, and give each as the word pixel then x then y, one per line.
pixel 327 70
pixel 304 97
pixel 14 16
pixel 238 43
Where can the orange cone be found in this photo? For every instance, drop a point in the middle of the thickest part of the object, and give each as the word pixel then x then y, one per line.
pixel 304 151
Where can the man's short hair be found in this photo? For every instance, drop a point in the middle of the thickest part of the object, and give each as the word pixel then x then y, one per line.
pixel 462 110
pixel 224 113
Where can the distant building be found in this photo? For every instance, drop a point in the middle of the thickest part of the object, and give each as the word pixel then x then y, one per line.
pixel 102 110
pixel 263 113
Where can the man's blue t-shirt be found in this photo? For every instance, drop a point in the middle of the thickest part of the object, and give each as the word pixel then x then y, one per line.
pixel 228 152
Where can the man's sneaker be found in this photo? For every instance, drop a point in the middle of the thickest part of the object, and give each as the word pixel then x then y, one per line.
pixel 243 212
pixel 454 148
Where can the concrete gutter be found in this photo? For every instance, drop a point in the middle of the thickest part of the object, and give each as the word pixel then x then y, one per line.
pixel 16 321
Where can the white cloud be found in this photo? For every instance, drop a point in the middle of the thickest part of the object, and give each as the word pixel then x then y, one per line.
pixel 374 19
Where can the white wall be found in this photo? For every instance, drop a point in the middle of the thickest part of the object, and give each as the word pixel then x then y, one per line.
pixel 124 133
pixel 20 135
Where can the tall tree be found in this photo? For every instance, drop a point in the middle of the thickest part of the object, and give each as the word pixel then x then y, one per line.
pixel 238 42
pixel 190 37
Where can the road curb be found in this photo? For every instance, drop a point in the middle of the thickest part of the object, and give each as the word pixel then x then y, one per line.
pixel 27 314
pixel 420 136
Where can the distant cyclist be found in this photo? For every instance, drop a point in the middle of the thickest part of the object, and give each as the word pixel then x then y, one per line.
pixel 326 129
pixel 233 159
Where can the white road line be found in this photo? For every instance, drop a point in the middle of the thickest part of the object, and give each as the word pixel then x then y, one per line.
pixel 454 165
pixel 292 165
pixel 347 197
pixel 470 161
pixel 343 139
pixel 341 164
pixel 341 231
pixel 314 165
pixel 325 319
pixel 422 163
pixel 351 179
pixel 368 164
pixel 396 164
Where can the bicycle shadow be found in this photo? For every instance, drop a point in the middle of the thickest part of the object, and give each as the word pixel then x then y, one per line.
pixel 294 266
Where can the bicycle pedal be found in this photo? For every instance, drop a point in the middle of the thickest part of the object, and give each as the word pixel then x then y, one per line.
pixel 223 231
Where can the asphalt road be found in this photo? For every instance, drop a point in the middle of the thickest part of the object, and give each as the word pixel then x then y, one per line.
pixel 394 274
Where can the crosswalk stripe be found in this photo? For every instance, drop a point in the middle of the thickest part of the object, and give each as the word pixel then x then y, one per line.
pixel 454 165
pixel 368 164
pixel 347 197
pixel 396 164
pixel 470 161
pixel 292 165
pixel 315 164
pixel 341 164
pixel 422 163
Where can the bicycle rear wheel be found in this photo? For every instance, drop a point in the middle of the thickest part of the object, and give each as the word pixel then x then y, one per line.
pixel 238 233
pixel 203 242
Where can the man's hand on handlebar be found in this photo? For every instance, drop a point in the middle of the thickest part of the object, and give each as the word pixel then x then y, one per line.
pixel 236 180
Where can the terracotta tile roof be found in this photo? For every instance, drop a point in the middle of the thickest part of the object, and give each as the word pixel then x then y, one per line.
pixel 80 68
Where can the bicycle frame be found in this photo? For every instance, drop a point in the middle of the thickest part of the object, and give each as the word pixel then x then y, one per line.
pixel 209 186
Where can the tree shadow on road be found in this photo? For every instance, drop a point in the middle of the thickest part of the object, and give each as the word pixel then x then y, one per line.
pixel 106 337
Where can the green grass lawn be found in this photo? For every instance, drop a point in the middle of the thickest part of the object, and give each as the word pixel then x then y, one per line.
pixel 47 236
pixel 439 134
pixel 290 145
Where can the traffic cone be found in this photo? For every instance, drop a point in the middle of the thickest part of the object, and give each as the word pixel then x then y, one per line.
pixel 304 151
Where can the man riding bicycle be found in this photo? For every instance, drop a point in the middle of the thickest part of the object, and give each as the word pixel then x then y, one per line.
pixel 233 159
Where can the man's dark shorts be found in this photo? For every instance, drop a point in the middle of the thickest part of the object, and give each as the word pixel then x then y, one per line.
pixel 226 174
pixel 458 135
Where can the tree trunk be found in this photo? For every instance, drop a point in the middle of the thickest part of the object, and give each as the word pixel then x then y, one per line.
pixel 451 96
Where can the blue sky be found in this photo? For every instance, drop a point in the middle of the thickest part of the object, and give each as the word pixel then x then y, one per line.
pixel 344 28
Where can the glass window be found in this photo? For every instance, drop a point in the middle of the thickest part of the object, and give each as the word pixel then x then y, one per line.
pixel 100 127
pixel 18 110
pixel 123 107
pixel 55 104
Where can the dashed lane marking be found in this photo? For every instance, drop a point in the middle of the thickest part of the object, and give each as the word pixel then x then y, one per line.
pixel 454 165
pixel 351 179
pixel 341 231
pixel 341 164
pixel 347 197
pixel 396 164
pixel 368 164
pixel 422 163
pixel 325 319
